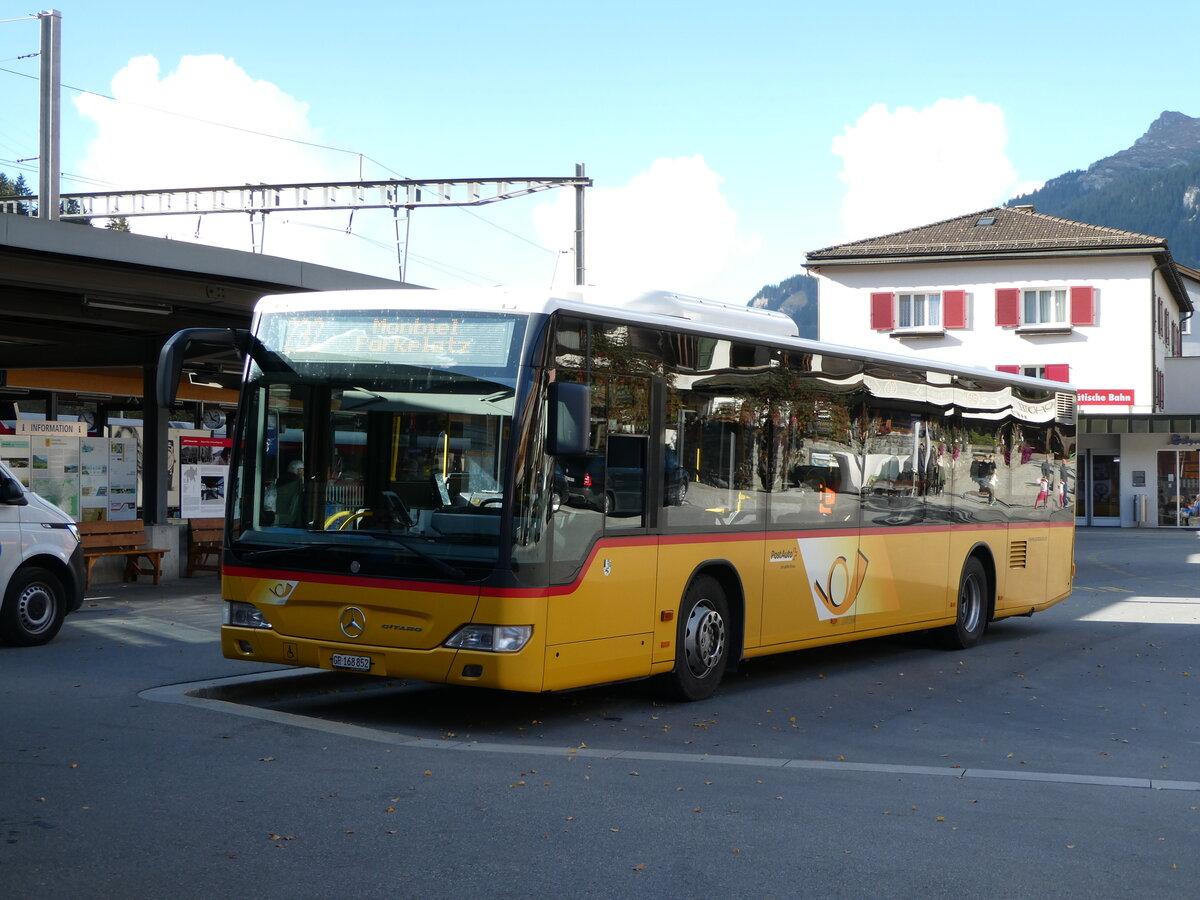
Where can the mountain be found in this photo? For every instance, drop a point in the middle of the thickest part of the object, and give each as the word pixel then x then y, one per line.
pixel 796 297
pixel 1153 187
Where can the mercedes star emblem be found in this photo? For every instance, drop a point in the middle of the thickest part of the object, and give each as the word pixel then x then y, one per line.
pixel 353 621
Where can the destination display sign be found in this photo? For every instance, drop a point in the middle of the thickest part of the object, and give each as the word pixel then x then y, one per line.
pixel 428 339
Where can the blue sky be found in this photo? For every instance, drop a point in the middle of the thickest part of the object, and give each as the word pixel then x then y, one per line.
pixel 725 139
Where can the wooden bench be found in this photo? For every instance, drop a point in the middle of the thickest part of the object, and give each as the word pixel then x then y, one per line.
pixel 128 539
pixel 204 541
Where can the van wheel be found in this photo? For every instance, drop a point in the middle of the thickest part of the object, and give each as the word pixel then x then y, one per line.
pixel 701 642
pixel 34 608
pixel 972 615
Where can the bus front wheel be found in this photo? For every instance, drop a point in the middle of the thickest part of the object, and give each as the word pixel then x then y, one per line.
pixel 972 609
pixel 701 641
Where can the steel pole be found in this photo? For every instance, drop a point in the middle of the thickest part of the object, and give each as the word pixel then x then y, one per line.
pixel 579 268
pixel 51 76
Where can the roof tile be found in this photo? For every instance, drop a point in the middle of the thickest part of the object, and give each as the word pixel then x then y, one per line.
pixel 1014 228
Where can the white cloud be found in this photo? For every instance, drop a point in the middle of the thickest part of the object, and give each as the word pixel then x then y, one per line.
pixel 669 227
pixel 911 167
pixel 139 147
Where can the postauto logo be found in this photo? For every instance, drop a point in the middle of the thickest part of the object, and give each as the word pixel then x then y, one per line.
pixel 838 569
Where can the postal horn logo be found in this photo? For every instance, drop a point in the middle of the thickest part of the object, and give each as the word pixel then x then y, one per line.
pixel 353 621
pixel 841 586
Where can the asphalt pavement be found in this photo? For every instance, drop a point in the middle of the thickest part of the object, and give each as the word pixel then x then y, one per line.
pixel 1060 756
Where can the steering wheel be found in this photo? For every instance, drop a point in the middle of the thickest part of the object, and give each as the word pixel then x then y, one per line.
pixel 352 518
pixel 332 522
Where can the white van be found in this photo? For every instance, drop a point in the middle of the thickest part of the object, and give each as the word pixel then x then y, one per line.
pixel 41 565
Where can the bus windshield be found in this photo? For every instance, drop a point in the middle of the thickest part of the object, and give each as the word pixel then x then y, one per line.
pixel 382 436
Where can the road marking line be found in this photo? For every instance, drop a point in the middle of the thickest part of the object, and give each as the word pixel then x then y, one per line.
pixel 145 632
pixel 194 694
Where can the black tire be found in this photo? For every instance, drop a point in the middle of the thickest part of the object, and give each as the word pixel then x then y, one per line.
pixel 972 608
pixel 35 605
pixel 702 642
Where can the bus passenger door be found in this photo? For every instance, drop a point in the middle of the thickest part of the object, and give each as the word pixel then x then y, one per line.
pixel 605 502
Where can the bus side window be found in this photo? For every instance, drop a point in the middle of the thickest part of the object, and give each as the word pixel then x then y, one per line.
pixel 625 481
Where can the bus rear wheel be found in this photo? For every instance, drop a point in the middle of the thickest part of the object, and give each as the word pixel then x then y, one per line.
pixel 972 609
pixel 701 642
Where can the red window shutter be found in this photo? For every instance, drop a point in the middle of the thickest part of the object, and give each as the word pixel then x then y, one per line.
pixel 883 315
pixel 1008 307
pixel 1058 372
pixel 954 309
pixel 1011 370
pixel 1083 306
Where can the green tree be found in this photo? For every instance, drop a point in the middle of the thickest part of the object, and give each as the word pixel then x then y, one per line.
pixel 18 188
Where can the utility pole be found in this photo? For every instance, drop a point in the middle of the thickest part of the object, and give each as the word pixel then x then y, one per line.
pixel 51 77
pixel 581 183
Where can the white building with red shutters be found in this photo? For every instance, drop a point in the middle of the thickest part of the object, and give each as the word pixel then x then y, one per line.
pixel 1013 290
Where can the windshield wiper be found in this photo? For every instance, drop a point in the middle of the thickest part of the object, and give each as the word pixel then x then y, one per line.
pixel 393 539
pixel 440 564
pixel 272 551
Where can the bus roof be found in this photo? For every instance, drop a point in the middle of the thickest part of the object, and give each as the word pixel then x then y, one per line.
pixel 650 308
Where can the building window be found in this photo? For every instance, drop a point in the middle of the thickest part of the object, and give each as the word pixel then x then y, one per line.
pixel 1050 371
pixel 1041 309
pixel 1044 307
pixel 923 312
pixel 919 310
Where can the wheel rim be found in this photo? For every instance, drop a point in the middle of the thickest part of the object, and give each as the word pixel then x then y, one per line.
pixel 704 639
pixel 970 603
pixel 35 608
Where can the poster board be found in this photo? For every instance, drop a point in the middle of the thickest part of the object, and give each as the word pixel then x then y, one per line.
pixel 203 475
pixel 14 452
pixel 89 478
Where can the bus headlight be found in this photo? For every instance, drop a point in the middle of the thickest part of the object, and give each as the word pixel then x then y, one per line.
pixel 494 638
pixel 244 615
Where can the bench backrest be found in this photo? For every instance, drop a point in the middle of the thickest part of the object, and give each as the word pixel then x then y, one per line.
pixel 206 530
pixel 98 535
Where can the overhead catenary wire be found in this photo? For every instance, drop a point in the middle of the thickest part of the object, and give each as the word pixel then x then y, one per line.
pixel 298 141
pixel 277 137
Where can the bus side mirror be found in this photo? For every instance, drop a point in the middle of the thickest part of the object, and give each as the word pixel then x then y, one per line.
pixel 176 347
pixel 570 409
pixel 171 356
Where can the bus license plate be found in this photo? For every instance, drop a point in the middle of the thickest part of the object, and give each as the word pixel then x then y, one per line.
pixel 356 663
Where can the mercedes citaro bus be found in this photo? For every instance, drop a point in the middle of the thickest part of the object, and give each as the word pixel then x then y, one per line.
pixel 407 494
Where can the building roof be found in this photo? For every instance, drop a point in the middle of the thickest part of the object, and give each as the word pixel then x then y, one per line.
pixel 1002 231
pixel 74 297
pixel 999 230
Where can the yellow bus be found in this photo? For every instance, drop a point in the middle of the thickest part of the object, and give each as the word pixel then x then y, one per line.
pixel 537 491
